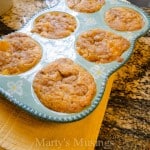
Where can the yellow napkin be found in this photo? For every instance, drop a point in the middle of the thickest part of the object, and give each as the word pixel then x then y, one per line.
pixel 21 131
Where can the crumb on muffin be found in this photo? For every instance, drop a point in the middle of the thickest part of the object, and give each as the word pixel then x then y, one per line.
pixel 85 6
pixel 18 53
pixel 101 46
pixel 124 19
pixel 55 25
pixel 64 86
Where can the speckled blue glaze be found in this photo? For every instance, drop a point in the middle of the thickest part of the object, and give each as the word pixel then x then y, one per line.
pixel 18 88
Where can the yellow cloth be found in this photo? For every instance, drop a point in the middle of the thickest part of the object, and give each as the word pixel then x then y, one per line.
pixel 20 131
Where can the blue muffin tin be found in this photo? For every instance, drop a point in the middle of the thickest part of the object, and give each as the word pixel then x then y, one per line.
pixel 18 88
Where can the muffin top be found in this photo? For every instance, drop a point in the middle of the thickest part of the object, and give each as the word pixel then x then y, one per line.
pixel 18 53
pixel 85 6
pixel 101 46
pixel 64 86
pixel 55 25
pixel 124 19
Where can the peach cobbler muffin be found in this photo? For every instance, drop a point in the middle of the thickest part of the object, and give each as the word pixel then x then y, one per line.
pixel 18 53
pixel 55 25
pixel 101 46
pixel 64 86
pixel 85 6
pixel 124 19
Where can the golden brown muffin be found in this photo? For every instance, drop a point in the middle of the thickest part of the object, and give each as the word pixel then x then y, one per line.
pixel 64 86
pixel 101 46
pixel 55 25
pixel 85 6
pixel 124 19
pixel 18 53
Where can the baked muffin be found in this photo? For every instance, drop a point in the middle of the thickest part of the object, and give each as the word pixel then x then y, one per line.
pixel 124 19
pixel 85 6
pixel 101 46
pixel 64 86
pixel 18 53
pixel 55 25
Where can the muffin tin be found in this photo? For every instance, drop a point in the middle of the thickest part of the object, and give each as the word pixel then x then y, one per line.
pixel 18 88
